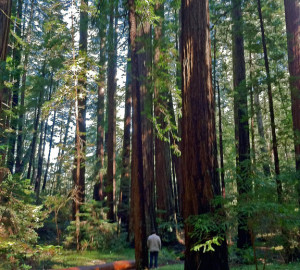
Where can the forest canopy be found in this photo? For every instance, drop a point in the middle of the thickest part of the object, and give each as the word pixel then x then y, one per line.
pixel 118 118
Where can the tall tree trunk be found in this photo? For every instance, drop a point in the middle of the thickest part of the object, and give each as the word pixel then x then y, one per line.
pixel 137 175
pixel 123 211
pixel 49 152
pixel 62 150
pixel 176 158
pixel 111 135
pixel 19 156
pixel 199 161
pixel 271 107
pixel 163 177
pixel 98 189
pixel 240 119
pixel 35 132
pixel 146 101
pixel 80 108
pixel 5 15
pixel 292 15
pixel 37 183
pixel 15 99
pixel 222 174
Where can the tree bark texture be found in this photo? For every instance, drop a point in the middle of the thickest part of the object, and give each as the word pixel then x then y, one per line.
pixel 137 175
pixel 143 46
pixel 5 15
pixel 111 109
pixel 292 17
pixel 199 161
pixel 241 120
pixel 80 137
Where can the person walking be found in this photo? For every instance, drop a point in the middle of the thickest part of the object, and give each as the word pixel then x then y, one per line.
pixel 154 246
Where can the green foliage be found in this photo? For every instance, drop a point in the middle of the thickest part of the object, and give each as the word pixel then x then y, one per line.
pixel 208 245
pixel 19 220
pixel 95 231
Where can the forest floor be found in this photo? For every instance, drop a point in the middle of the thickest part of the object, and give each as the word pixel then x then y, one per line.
pixel 168 260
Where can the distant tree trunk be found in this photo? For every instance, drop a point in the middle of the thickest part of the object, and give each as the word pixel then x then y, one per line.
pixel 62 152
pixel 292 15
pixel 123 212
pixel 98 192
pixel 271 107
pixel 241 119
pixel 37 180
pixel 19 157
pixel 137 179
pixel 5 14
pixel 146 101
pixel 15 99
pixel 111 109
pixel 35 133
pixel 80 108
pixel 176 158
pixel 163 177
pixel 199 161
pixel 222 174
pixel 49 153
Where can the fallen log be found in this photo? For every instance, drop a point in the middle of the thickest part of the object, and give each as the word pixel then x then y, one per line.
pixel 117 265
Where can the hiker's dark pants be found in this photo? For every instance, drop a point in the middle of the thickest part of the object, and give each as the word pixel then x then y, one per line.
pixel 153 255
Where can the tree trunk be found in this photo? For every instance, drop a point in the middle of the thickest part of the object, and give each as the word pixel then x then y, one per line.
pixel 137 175
pixel 15 99
pixel 5 15
pixel 146 102
pixel 123 211
pixel 80 108
pixel 111 135
pixel 292 15
pixel 62 152
pixel 241 120
pixel 222 174
pixel 5 7
pixel 49 153
pixel 199 161
pixel 98 193
pixel 163 177
pixel 37 183
pixel 271 107
pixel 19 159
pixel 35 133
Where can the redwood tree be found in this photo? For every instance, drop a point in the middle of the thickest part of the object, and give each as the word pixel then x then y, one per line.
pixel 146 100
pixel 199 160
pixel 111 109
pixel 292 17
pixel 80 137
pixel 5 12
pixel 240 119
pixel 137 179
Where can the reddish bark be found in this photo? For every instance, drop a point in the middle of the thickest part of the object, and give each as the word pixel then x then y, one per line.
pixel 199 161
pixel 137 179
pixel 240 118
pixel 292 17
